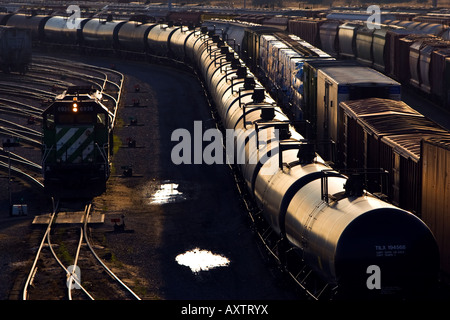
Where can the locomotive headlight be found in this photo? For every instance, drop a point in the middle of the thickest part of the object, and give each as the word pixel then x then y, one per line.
pixel 75 107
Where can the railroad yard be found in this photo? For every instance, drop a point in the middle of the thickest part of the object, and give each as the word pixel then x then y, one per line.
pixel 154 153
pixel 204 215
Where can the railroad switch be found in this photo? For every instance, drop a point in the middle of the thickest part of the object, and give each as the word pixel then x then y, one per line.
pixel 133 121
pixel 127 171
pixel 131 143
pixel 119 227
pixel 31 120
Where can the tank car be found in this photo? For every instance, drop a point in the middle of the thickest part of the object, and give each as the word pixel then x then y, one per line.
pixel 158 40
pixel 178 42
pixel 76 144
pixel 101 34
pixel 33 23
pixel 133 36
pixel 61 30
pixel 4 17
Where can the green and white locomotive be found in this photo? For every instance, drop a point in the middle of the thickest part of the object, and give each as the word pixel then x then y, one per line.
pixel 76 144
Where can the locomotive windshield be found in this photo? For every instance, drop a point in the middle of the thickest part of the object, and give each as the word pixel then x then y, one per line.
pixel 67 118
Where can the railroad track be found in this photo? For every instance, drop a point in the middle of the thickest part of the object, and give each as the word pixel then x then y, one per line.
pixel 108 81
pixel 23 98
pixel 56 273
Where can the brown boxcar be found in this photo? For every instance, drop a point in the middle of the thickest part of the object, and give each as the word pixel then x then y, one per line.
pixel 386 134
pixel 440 76
pixel 436 193
pixel 393 48
pixel 307 29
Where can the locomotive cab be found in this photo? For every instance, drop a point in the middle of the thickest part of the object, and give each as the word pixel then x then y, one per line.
pixel 75 155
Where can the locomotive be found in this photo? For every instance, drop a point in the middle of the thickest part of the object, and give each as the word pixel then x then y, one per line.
pixel 76 144
pixel 338 231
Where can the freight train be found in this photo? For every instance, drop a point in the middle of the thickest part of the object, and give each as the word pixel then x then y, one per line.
pixel 414 53
pixel 349 241
pixel 312 85
pixel 76 144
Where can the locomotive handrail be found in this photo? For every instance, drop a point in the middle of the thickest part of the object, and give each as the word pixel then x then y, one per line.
pixel 46 154
pixel 105 159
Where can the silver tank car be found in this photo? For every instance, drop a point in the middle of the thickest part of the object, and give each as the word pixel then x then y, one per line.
pixel 133 36
pixel 159 38
pixel 33 23
pixel 178 42
pixel 61 30
pixel 99 33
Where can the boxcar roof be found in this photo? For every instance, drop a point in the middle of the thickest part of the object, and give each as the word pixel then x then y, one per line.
pixel 408 145
pixel 352 75
pixel 376 106
pixel 392 124
pixel 440 141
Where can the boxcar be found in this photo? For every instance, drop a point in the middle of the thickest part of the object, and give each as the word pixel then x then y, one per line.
pixel 393 43
pixel 341 83
pixel 307 29
pixel 386 134
pixel 436 193
pixel 440 76
pixel 15 49
pixel 251 53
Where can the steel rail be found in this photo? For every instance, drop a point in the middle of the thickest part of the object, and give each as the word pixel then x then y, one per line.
pixel 70 278
pixel 34 266
pixel 22 173
pixel 100 260
pixel 23 162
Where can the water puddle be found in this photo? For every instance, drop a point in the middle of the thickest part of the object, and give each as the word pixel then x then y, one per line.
pixel 201 260
pixel 167 193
